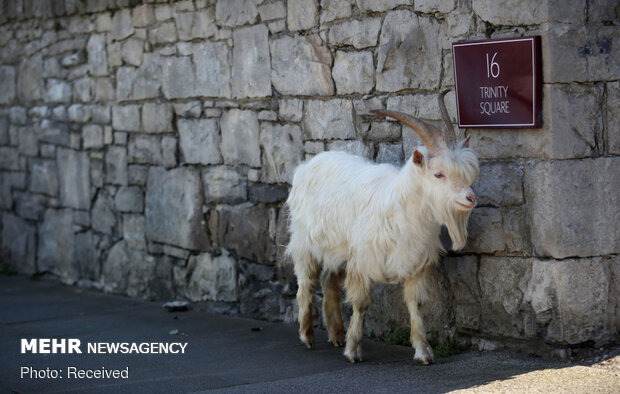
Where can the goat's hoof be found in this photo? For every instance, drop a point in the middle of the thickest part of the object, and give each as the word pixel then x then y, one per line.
pixel 424 357
pixel 307 341
pixel 336 343
pixel 353 355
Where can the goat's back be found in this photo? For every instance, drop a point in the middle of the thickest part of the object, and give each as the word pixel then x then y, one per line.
pixel 330 193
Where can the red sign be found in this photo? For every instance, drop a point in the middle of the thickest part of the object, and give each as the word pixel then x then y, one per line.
pixel 498 82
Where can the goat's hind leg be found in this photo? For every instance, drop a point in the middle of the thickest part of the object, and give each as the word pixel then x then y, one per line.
pixel 331 282
pixel 415 291
pixel 307 272
pixel 358 294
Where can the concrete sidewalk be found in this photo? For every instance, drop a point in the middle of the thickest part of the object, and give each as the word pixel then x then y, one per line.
pixel 233 354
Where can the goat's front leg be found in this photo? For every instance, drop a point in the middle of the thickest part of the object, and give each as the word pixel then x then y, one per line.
pixel 415 292
pixel 358 294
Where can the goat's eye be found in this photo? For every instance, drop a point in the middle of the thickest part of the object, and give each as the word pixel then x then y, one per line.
pixel 439 175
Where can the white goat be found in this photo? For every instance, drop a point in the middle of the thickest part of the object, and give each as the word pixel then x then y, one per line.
pixel 359 222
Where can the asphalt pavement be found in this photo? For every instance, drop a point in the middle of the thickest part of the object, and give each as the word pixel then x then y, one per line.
pixel 235 354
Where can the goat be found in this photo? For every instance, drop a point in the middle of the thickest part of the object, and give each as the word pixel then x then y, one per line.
pixel 356 222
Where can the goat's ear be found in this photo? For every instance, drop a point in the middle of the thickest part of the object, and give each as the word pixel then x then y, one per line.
pixel 417 157
pixel 465 142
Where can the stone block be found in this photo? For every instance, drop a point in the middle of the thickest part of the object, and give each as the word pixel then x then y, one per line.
pixel 212 64
pixel 97 55
pixel 145 149
pixel 8 77
pixel 191 109
pixel 9 158
pixel 200 24
pixel 58 91
pixel 82 90
pixel 503 284
pixel 164 33
pixel 462 274
pixel 486 234
pixel 353 72
pixel 291 110
pixel 122 26
pixel 129 271
pixel 43 177
pixel 126 117
pixel 282 150
pixel 570 300
pixel 240 137
pixel 359 34
pixel 383 131
pixel 104 219
pixel 156 118
pixel 301 66
pixel 199 141
pixel 267 193
pixel 29 206
pixel 4 130
pixel 134 228
pixel 101 114
pixel 331 119
pixel 74 174
pixel 87 256
pixel 380 5
pixel 390 153
pixel 174 208
pixel 408 55
pixel 143 15
pixel 302 14
pixel 30 83
pixel 334 9
pixel 212 278
pixel 613 117
pixel 251 69
pixel 499 184
pixel 178 79
pixel 18 115
pixel 516 231
pixel 169 151
pixel 137 175
pixel 514 12
pixel 27 142
pixel 271 11
pixel 132 51
pixel 56 245
pixel 18 244
pixel 92 137
pixel 116 165
pixel 576 217
pixel 242 228
pixel 129 199
pixel 356 147
pixel 434 6
pixel 232 13
pixel 146 81
pixel 225 185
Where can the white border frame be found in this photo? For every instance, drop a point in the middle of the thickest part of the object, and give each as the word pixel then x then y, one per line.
pixel 534 98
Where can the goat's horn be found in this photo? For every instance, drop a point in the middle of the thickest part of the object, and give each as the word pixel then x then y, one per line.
pixel 449 134
pixel 429 134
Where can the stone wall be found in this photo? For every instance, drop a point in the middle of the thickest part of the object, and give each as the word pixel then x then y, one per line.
pixel 147 149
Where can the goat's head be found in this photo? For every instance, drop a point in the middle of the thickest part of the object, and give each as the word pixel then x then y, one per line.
pixel 447 169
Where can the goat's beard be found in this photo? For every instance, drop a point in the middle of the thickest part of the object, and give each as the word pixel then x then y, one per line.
pixel 456 222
